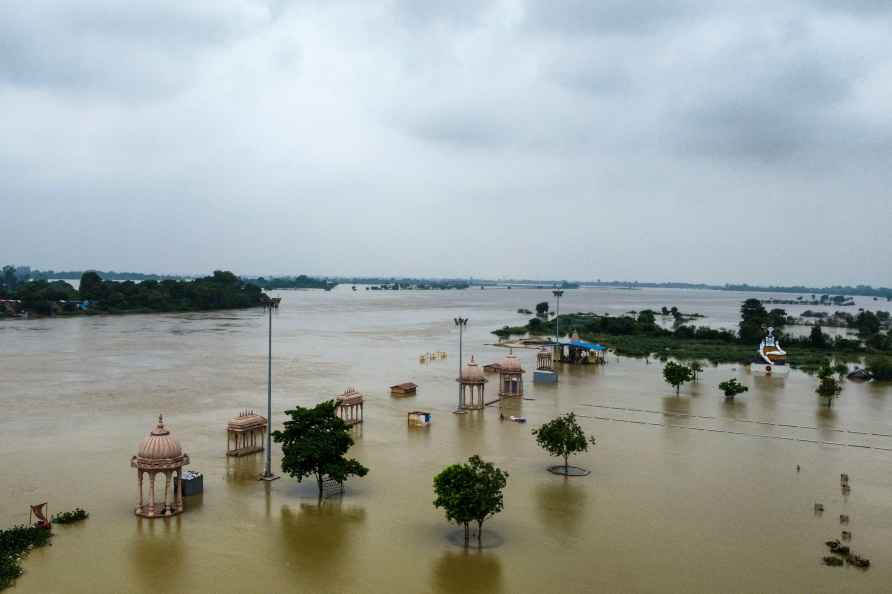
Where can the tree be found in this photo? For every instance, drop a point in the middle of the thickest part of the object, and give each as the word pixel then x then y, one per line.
pixel 314 442
pixel 677 374
pixel 880 368
pixel 542 309
pixel 470 492
pixel 867 323
pixel 695 368
pixel 647 319
pixel 829 388
pixel 753 321
pixel 732 388
pixel 562 437
pixel 9 279
pixel 777 317
pixel 92 286
pixel 817 338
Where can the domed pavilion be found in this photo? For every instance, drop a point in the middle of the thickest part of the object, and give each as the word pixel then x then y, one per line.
pixel 471 385
pixel 160 453
pixel 510 377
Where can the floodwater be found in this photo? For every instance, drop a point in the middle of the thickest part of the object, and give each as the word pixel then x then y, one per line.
pixel 687 494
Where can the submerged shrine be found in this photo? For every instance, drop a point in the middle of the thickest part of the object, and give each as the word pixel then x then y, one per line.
pixel 349 407
pixel 510 377
pixel 471 385
pixel 245 434
pixel 160 453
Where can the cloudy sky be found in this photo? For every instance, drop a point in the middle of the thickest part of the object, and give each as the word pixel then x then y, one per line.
pixel 661 140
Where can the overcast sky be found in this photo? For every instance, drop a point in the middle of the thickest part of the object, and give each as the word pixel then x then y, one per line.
pixel 704 141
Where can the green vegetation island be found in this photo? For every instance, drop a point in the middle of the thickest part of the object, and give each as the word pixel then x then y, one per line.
pixel 221 290
pixel 640 336
pixel 291 282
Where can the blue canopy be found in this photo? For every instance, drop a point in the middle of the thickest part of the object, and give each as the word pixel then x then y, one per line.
pixel 585 345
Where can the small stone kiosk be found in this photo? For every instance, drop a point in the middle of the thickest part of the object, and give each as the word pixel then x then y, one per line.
pixel 544 373
pixel 510 377
pixel 349 407
pixel 160 453
pixel 245 434
pixel 471 385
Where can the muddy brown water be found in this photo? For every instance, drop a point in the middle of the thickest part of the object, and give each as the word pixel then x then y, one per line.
pixel 687 494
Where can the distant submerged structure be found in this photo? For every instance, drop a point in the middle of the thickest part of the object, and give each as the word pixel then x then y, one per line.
pixel 772 359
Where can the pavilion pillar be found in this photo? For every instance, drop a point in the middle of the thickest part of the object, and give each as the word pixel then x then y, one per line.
pixel 139 505
pixel 178 490
pixel 165 509
pixel 151 493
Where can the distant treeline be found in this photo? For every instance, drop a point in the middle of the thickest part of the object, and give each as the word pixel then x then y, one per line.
pixel 292 282
pixel 862 290
pixel 222 290
pixel 105 274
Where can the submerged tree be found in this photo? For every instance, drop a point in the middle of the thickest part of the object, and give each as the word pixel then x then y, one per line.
pixel 470 492
pixel 314 442
pixel 732 388
pixel 542 309
pixel 695 368
pixel 563 437
pixel 677 374
pixel 828 386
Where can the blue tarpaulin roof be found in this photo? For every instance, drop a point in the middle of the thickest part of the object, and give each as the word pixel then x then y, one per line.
pixel 588 346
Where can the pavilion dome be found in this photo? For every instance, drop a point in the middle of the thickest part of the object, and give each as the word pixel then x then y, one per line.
pixel 471 372
pixel 160 444
pixel 510 364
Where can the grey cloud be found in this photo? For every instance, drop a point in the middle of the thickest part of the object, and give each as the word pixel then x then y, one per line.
pixel 460 128
pixel 586 17
pixel 766 105
pixel 131 50
pixel 449 12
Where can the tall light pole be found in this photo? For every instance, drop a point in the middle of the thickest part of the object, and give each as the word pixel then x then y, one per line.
pixel 461 323
pixel 557 321
pixel 268 473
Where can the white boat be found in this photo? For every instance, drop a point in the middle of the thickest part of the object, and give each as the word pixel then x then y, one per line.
pixel 772 359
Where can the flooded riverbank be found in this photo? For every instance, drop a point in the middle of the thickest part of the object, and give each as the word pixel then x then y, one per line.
pixel 686 494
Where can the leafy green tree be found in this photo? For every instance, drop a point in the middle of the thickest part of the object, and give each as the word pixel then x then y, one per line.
pixel 563 437
pixel 828 388
pixel 677 374
pixel 314 442
pixel 542 309
pixel 9 279
pixel 817 338
pixel 867 323
pixel 470 492
pixel 880 368
pixel 732 388
pixel 777 318
pixel 753 321
pixel 695 368
pixel 647 319
pixel 92 286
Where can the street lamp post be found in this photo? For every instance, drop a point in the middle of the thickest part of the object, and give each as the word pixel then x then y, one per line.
pixel 461 323
pixel 268 473
pixel 557 321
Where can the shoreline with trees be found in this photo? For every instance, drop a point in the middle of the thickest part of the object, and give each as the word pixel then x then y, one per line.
pixel 640 336
pixel 221 290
